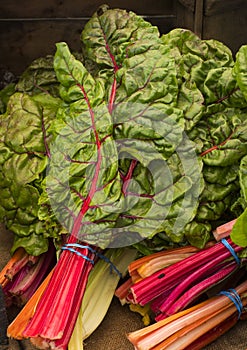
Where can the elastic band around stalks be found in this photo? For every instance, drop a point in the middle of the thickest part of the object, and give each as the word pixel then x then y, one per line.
pixel 77 245
pixel 112 266
pixel 70 246
pixel 67 247
pixel 231 250
pixel 235 298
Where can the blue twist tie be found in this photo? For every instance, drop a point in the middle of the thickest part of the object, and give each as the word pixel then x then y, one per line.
pixel 235 298
pixel 77 245
pixel 231 250
pixel 71 246
pixel 112 266
pixel 68 247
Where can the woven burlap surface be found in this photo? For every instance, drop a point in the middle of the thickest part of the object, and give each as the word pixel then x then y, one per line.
pixel 111 335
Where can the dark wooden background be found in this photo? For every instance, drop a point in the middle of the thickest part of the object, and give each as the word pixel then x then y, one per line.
pixel 29 28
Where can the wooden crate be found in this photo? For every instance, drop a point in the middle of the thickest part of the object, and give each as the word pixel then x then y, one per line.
pixel 29 29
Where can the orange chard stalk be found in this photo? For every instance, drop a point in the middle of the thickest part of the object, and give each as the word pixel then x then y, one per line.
pixel 136 264
pixel 159 263
pixel 152 331
pixel 163 334
pixel 16 328
pixel 123 290
pixel 194 328
pixel 20 258
pixel 224 230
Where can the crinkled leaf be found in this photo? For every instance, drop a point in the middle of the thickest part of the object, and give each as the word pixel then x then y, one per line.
pixel 191 102
pixel 220 87
pixel 34 244
pixel 240 69
pixel 25 136
pixel 220 175
pixel 223 136
pixel 5 94
pixel 148 127
pixel 83 180
pixel 108 36
pixel 39 77
pixel 196 57
pixel 221 143
pixel 211 209
pixel 198 233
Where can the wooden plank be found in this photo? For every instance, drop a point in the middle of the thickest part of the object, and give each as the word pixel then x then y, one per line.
pixel 212 7
pixel 184 16
pixel 23 41
pixel 228 27
pixel 78 8
pixel 198 18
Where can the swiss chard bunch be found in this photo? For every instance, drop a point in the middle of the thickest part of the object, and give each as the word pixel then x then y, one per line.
pixel 138 140
pixel 129 134
pixel 103 145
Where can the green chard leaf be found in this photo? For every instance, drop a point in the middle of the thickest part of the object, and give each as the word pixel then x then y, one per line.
pixel 25 136
pixel 5 94
pixel 238 234
pixel 243 178
pixel 83 181
pixel 39 77
pixel 148 128
pixel 240 69
pixel 143 142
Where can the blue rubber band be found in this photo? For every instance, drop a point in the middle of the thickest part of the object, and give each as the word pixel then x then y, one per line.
pixel 78 253
pixel 69 246
pixel 77 245
pixel 235 298
pixel 231 250
pixel 112 266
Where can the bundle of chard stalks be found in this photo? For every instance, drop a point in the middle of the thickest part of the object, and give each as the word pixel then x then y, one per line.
pixel 53 315
pixel 190 296
pixel 135 145
pixel 193 295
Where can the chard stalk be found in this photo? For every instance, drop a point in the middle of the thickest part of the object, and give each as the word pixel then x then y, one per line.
pixel 206 270
pixel 159 263
pixel 148 337
pixel 150 287
pixel 178 326
pixel 214 333
pixel 16 262
pixel 224 230
pixel 25 285
pixel 188 334
pixel 27 273
pixel 59 306
pixel 191 294
pixel 18 325
pixel 102 283
pixel 123 290
pixel 136 264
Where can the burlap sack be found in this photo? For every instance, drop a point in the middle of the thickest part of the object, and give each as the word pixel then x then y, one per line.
pixel 111 335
